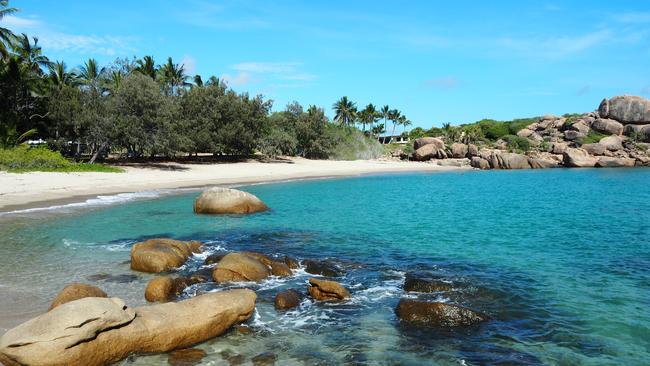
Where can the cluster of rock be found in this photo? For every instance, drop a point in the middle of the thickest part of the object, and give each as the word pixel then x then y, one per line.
pixel 557 141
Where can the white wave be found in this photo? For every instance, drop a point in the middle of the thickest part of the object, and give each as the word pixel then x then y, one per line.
pixel 103 200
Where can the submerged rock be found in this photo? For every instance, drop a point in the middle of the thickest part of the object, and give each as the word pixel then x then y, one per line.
pixel 264 359
pixel 415 283
pixel 99 331
pixel 76 291
pixel 219 200
pixel 186 357
pixel 291 262
pixel 323 268
pixel 324 290
pixel 280 269
pixel 236 267
pixel 287 299
pixel 436 314
pixel 160 255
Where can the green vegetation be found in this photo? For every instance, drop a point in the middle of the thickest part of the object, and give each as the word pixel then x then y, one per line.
pixel 21 159
pixel 135 108
pixel 591 138
pixel 517 143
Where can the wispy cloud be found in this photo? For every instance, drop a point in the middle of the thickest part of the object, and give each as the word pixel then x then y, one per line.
pixel 240 79
pixel 190 64
pixel 219 16
pixel 445 82
pixel 281 73
pixel 55 40
pixel 555 47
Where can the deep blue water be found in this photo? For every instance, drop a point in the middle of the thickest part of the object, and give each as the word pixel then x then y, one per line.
pixel 559 259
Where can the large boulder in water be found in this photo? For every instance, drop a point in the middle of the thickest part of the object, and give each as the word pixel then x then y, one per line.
pixel 436 314
pixel 417 283
pixel 324 290
pixel 219 200
pixel 76 291
pixel 578 158
pixel 503 160
pixel 237 267
pixel 287 299
pixel 99 331
pixel 627 109
pixel 608 126
pixel 160 255
pixel 324 268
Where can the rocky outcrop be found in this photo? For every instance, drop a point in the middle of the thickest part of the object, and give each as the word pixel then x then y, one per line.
pixel 287 299
pixel 612 143
pixel 479 163
pixel 613 162
pixel 627 109
pixel 578 158
pixel 280 269
pixel 430 151
pixel 438 143
pixel 159 289
pixel 594 149
pixel 458 150
pixel 436 314
pixel 323 268
pixel 608 126
pixel 236 267
pixel 324 290
pixel 99 331
pixel 219 200
pixel 160 255
pixel 76 291
pixel 499 160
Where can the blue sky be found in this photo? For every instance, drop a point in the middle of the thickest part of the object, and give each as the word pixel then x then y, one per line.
pixel 436 61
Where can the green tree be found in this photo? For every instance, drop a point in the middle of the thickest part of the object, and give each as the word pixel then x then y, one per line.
pixel 384 112
pixel 147 66
pixel 394 115
pixel 59 75
pixel 7 37
pixel 30 54
pixel 173 77
pixel 368 116
pixel 345 111
pixel 90 75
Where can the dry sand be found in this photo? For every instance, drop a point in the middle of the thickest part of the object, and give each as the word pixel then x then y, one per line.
pixel 38 189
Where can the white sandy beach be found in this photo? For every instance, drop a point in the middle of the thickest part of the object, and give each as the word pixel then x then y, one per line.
pixel 40 189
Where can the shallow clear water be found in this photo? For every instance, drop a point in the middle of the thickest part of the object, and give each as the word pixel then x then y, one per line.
pixel 560 260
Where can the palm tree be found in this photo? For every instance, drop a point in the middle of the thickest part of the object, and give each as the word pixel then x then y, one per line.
pixel 173 75
pixel 30 54
pixel 90 74
pixel 346 111
pixel 60 77
pixel 146 66
pixel 6 36
pixel 368 116
pixel 394 115
pixel 198 81
pixel 114 80
pixel 384 113
pixel 404 122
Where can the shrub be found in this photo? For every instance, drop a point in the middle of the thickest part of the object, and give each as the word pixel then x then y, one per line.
pixel 592 137
pixel 22 158
pixel 516 142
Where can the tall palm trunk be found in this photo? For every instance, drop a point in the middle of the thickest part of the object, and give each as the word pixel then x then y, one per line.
pixel 392 133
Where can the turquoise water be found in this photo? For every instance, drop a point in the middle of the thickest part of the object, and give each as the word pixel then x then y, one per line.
pixel 559 259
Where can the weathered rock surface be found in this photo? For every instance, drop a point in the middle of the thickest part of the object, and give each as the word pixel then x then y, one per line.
pixel 323 268
pixel 627 109
pixel 416 283
pixel 291 263
pixel 642 132
pixel 500 160
pixel 612 143
pixel 437 314
pixel 160 255
pixel 159 289
pixel 608 126
pixel 76 291
pixel 236 267
pixel 578 158
pixel 458 150
pixel 613 162
pixel 280 269
pixel 99 331
pixel 264 359
pixel 287 299
pixel 219 200
pixel 324 290
pixel 479 163
pixel 472 150
pixel 430 151
pixel 594 149
pixel 438 143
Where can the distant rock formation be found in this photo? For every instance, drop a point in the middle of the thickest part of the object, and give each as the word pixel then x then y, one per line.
pixel 219 200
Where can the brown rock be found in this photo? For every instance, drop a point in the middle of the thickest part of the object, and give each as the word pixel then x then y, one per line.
pixel 458 150
pixel 573 135
pixel 611 162
pixel 479 163
pixel 291 263
pixel 280 269
pixel 76 291
pixel 559 147
pixel 236 267
pixel 638 132
pixel 436 314
pixel 472 150
pixel 159 289
pixel 186 357
pixel 99 331
pixel 287 299
pixel 414 283
pixel 608 126
pixel 160 255
pixel 260 257
pixel 265 359
pixel 324 290
pixel 501 160
pixel 594 149
pixel 627 109
pixel 219 200
pixel 428 152
pixel 422 141
pixel 213 259
pixel 578 158
pixel 612 143
pixel 323 268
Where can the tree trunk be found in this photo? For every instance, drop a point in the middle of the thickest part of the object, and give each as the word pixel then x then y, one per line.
pixel 99 150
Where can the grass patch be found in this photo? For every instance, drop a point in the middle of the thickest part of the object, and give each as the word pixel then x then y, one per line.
pixel 22 159
pixel 591 138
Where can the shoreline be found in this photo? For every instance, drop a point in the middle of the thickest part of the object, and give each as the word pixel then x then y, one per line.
pixel 36 190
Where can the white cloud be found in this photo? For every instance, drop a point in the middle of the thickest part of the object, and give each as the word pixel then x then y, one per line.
pixel 240 79
pixel 189 63
pixel 52 39
pixel 445 82
pixel 555 47
pixel 280 72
